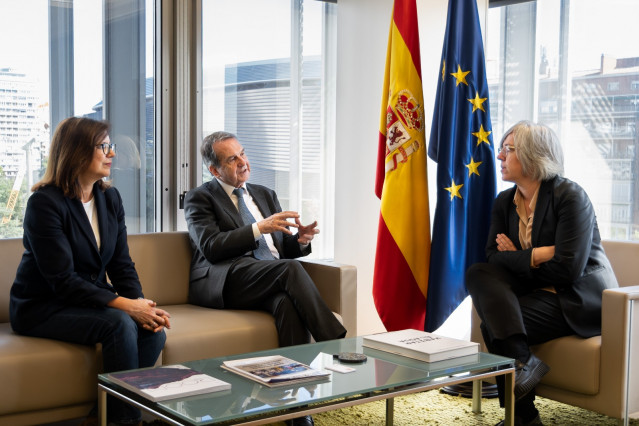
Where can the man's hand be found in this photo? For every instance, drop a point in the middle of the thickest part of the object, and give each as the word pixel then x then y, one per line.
pixel 306 233
pixel 278 222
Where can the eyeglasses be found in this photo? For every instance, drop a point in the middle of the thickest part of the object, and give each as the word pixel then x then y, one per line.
pixel 506 149
pixel 106 147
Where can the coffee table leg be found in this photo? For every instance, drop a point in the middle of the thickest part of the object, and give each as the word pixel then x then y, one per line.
pixel 477 396
pixel 509 399
pixel 390 411
pixel 102 409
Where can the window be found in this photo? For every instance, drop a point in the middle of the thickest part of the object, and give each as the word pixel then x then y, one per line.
pixel 572 81
pixel 271 82
pixel 64 74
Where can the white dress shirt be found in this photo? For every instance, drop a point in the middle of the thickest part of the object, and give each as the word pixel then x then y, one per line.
pixel 255 211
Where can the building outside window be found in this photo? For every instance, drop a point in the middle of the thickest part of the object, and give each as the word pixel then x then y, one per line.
pixel 580 82
pixel 271 81
pixel 90 58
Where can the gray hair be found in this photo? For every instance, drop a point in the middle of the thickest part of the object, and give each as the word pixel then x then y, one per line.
pixel 207 151
pixel 538 150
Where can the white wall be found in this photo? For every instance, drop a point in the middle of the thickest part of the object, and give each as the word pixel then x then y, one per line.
pixel 362 37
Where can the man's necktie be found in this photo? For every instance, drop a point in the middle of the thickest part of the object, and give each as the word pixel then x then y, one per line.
pixel 262 252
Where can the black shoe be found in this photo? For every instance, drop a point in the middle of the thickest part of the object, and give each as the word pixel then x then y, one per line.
pixel 519 422
pixel 301 421
pixel 528 375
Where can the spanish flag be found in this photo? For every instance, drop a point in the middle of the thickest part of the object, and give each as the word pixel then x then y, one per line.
pixel 403 242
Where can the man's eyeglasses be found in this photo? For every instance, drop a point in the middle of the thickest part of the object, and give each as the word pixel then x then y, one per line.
pixel 506 149
pixel 106 147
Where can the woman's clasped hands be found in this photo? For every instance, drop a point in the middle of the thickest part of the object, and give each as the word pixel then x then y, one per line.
pixel 144 312
pixel 151 317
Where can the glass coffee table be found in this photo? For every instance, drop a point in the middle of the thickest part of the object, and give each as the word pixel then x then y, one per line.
pixel 381 376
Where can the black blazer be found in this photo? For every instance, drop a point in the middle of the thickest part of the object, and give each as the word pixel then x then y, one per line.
pixel 62 266
pixel 218 237
pixel 579 271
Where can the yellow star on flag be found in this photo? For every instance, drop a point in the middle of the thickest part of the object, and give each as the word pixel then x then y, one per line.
pixel 443 69
pixel 473 167
pixel 454 190
pixel 477 102
pixel 482 135
pixel 460 75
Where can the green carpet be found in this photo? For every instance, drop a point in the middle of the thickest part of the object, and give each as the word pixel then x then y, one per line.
pixel 435 408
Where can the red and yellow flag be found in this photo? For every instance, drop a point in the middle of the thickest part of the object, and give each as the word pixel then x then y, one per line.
pixel 400 281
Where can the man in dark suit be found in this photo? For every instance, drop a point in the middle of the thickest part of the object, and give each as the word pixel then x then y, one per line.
pixel 242 265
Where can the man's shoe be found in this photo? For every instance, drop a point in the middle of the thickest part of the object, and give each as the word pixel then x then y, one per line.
pixel 519 422
pixel 528 374
pixel 301 421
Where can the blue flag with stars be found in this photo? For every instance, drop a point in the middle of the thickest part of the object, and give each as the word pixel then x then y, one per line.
pixel 461 143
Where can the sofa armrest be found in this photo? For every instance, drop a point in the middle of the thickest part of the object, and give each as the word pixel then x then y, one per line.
pixel 620 341
pixel 337 284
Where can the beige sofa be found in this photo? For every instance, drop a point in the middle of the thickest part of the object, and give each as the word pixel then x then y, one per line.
pixel 600 373
pixel 45 380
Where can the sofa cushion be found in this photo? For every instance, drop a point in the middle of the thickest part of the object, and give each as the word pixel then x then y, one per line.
pixel 575 363
pixel 25 361
pixel 197 333
pixel 11 250
pixel 163 262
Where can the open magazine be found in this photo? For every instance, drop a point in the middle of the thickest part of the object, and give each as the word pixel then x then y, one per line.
pixel 274 370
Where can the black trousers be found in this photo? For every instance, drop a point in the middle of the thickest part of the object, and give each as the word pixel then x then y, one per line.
pixel 283 288
pixel 508 307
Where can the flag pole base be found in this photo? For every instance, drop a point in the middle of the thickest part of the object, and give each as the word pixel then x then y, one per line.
pixel 465 390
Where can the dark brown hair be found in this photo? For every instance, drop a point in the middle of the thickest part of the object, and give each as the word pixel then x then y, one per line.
pixel 72 149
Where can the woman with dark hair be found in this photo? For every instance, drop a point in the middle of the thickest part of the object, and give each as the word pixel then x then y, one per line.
pixel 546 267
pixel 74 235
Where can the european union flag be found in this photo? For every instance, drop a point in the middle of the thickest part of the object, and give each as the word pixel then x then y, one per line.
pixel 461 145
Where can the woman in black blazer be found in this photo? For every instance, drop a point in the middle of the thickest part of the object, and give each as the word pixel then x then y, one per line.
pixel 546 267
pixel 74 235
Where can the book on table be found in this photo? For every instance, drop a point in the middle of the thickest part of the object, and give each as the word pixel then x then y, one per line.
pixel 420 345
pixel 168 382
pixel 274 370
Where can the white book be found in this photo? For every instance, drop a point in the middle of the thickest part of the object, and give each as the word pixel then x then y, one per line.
pixel 168 382
pixel 274 370
pixel 420 345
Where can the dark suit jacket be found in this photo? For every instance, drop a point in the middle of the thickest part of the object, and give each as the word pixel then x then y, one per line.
pixel 61 264
pixel 219 237
pixel 579 271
